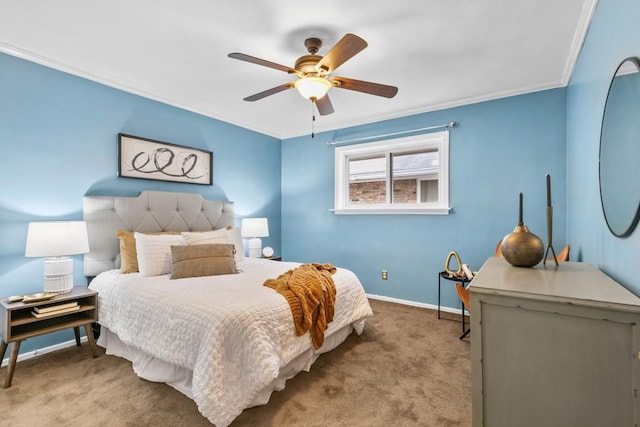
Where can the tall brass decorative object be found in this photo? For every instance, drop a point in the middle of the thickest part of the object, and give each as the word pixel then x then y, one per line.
pixel 522 248
pixel 549 225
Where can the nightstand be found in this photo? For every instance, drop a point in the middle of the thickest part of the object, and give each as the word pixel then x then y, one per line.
pixel 273 258
pixel 18 322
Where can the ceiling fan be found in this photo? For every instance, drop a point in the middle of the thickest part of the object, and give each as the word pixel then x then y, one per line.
pixel 314 73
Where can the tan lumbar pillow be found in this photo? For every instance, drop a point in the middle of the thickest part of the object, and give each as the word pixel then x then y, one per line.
pixel 202 260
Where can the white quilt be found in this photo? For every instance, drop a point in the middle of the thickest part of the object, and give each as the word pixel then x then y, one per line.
pixel 233 333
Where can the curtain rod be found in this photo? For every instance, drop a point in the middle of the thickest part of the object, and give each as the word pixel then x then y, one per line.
pixel 365 138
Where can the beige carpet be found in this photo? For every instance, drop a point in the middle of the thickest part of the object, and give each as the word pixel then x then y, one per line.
pixel 407 369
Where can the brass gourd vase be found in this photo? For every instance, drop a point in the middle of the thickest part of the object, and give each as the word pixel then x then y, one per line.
pixel 522 248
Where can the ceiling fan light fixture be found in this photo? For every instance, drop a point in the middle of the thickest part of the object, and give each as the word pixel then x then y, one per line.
pixel 313 87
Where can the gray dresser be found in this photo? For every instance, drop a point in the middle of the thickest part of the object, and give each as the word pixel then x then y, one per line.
pixel 553 346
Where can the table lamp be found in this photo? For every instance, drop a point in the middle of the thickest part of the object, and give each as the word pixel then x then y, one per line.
pixel 56 240
pixel 255 228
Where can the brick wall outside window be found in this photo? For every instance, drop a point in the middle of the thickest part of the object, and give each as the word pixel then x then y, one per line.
pixel 404 191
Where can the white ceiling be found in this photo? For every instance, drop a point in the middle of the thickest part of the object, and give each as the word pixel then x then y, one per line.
pixel 438 53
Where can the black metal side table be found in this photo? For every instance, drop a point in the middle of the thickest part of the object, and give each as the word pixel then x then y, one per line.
pixel 454 279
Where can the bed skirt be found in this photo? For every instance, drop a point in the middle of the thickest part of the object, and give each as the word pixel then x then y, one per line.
pixel 180 378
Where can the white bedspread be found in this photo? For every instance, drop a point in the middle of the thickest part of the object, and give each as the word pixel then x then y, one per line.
pixel 233 333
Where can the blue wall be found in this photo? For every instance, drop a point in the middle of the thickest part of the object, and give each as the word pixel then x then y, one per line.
pixel 51 123
pixel 498 149
pixel 613 36
pixel 58 135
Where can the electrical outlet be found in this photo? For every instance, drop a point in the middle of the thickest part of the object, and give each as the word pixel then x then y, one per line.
pixel 385 275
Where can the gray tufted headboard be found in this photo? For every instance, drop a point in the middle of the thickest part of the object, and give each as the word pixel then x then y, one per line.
pixel 147 212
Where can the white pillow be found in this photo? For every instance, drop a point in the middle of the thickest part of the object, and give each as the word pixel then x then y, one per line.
pixel 206 237
pixel 236 238
pixel 223 235
pixel 154 252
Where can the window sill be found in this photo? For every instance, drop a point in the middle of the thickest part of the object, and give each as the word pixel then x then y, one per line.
pixel 392 211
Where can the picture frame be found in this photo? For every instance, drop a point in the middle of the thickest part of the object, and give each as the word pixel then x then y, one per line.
pixel 145 158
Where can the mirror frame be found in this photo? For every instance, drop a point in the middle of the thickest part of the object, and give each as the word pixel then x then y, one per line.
pixel 634 222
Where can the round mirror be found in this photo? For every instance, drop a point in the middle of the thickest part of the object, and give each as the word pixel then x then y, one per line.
pixel 620 150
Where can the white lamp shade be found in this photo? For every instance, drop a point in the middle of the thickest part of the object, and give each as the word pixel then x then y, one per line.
pixel 56 238
pixel 312 87
pixel 255 227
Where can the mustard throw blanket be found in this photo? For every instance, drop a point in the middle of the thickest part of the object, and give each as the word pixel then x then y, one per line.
pixel 311 294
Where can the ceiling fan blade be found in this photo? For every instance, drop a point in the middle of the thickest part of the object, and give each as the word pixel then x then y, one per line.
pixel 324 105
pixel 263 62
pixel 366 87
pixel 268 92
pixel 346 48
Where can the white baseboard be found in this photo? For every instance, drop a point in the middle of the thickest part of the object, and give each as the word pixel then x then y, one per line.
pixel 41 351
pixel 416 304
pixel 45 350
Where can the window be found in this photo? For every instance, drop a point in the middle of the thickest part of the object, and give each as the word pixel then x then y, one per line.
pixel 404 175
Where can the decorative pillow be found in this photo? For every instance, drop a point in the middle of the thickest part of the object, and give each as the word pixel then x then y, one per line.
pixel 154 252
pixel 128 259
pixel 128 254
pixel 202 260
pixel 223 235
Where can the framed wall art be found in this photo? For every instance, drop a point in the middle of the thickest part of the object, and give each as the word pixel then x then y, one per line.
pixel 149 159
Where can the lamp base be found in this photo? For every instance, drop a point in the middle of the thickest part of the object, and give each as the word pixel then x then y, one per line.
pixel 255 247
pixel 58 275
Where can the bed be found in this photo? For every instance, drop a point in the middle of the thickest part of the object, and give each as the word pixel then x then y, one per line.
pixel 224 340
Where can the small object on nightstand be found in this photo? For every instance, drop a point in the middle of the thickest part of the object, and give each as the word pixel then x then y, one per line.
pixel 267 252
pixel 38 296
pixel 15 298
pixel 55 309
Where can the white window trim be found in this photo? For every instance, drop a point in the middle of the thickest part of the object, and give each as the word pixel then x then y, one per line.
pixel 435 140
